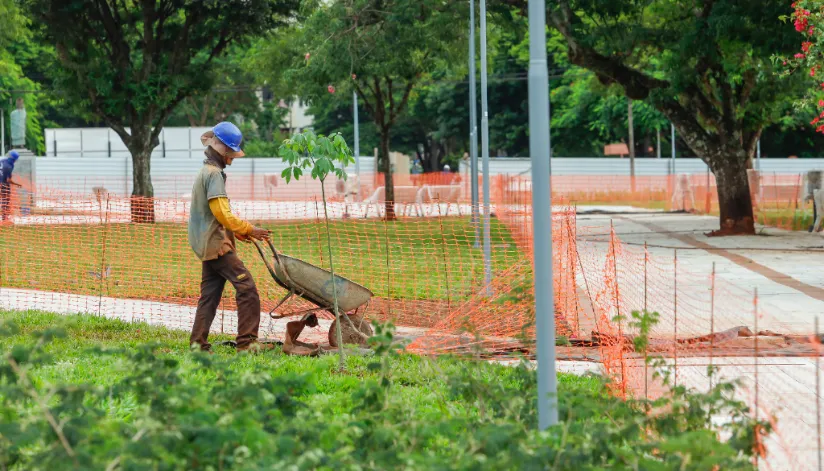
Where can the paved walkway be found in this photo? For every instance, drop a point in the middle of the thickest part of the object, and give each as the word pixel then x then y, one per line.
pixel 786 270
pixel 784 267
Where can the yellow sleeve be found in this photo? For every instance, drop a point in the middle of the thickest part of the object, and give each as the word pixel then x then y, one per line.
pixel 220 208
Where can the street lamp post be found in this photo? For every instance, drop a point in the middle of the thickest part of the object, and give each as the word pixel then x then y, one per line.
pixel 539 151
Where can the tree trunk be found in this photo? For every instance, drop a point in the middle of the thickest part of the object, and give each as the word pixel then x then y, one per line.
pixel 384 167
pixel 142 201
pixel 734 198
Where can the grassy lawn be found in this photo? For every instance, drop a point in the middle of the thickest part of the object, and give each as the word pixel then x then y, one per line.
pixel 411 259
pixel 422 382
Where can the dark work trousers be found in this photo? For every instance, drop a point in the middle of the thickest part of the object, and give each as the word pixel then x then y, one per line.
pixel 215 274
pixel 5 201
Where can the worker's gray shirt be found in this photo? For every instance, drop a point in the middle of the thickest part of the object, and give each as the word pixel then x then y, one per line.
pixel 207 236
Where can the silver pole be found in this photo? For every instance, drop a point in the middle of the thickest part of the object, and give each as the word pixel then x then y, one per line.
pixel 631 144
pixel 357 139
pixel 542 215
pixel 758 155
pixel 672 139
pixel 2 132
pixel 485 151
pixel 473 128
pixel 658 150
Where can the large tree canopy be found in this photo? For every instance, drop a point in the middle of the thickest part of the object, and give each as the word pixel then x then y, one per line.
pixel 13 81
pixel 704 64
pixel 380 48
pixel 132 63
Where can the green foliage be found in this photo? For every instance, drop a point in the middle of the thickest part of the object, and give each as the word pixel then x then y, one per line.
pixel 133 63
pixel 380 49
pixel 159 407
pixel 711 70
pixel 14 30
pixel 808 19
pixel 321 154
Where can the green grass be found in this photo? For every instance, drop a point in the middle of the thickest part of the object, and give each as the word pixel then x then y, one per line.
pixel 793 220
pixel 421 382
pixel 129 406
pixel 410 259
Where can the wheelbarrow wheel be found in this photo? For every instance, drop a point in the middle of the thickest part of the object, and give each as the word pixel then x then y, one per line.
pixel 354 333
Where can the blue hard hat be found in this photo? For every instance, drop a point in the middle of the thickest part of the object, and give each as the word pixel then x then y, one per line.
pixel 229 134
pixel 13 155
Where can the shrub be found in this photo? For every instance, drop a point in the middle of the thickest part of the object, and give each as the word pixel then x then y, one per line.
pixel 161 415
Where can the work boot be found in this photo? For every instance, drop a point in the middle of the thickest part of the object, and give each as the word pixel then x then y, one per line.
pixel 256 347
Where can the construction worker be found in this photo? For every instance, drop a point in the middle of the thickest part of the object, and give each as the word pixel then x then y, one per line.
pixel 212 232
pixel 6 169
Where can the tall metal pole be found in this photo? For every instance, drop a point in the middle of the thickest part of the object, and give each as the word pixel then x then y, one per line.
pixel 542 215
pixel 658 148
pixel 2 132
pixel 631 145
pixel 473 128
pixel 672 141
pixel 357 138
pixel 758 155
pixel 485 150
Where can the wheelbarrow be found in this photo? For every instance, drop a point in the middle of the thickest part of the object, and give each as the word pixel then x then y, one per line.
pixel 314 284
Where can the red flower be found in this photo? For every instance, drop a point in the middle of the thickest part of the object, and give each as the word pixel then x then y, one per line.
pixel 821 103
pixel 805 46
pixel 306 56
pixel 331 89
pixel 812 71
pixel 785 62
pixel 801 22
pixel 815 121
pixel 800 55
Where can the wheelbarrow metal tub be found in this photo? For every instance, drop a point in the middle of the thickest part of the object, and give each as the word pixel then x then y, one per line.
pixel 314 284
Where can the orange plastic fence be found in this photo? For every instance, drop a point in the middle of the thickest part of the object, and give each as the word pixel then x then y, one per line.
pixel 79 252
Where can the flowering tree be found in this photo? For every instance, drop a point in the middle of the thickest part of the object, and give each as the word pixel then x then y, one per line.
pixel 807 17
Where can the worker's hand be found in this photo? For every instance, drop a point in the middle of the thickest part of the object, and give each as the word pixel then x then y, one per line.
pixel 243 238
pixel 259 233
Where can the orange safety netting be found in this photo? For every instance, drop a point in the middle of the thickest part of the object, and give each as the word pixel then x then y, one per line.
pixel 78 251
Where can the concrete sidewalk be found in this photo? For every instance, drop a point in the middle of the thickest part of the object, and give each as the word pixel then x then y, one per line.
pixel 785 269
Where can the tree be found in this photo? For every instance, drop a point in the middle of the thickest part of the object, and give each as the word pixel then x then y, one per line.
pixel 380 48
pixel 704 64
pixel 234 93
pixel 13 81
pixel 808 19
pixel 586 116
pixel 132 63
pixel 321 155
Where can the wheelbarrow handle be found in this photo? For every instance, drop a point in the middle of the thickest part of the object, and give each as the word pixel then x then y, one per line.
pixel 274 251
pixel 263 257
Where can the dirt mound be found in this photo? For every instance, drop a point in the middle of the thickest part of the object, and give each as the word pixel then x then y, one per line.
pixel 355 332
